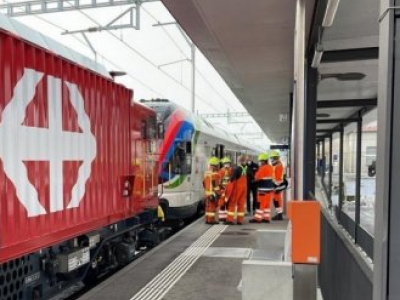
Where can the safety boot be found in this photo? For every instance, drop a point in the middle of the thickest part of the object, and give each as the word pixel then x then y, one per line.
pixel 277 217
pixel 253 221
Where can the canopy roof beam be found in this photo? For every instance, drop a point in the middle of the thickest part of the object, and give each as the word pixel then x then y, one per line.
pixel 19 9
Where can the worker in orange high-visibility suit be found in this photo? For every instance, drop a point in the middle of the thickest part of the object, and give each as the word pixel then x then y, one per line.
pixel 281 184
pixel 225 174
pixel 236 192
pixel 265 190
pixel 211 183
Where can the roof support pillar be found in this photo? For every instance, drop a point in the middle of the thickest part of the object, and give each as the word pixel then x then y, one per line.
pixel 298 141
pixel 310 112
pixel 330 168
pixel 303 144
pixel 358 177
pixel 341 163
pixel 387 221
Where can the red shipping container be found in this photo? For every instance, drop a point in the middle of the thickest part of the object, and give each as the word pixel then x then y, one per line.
pixel 67 138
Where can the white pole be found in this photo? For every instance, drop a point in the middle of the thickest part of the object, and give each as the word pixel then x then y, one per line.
pixel 193 61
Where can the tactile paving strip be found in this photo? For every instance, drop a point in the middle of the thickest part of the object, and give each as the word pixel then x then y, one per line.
pixel 164 281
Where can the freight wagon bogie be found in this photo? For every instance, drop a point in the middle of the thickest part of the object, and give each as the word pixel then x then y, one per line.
pixel 65 266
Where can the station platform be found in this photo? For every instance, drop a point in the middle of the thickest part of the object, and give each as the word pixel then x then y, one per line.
pixel 198 263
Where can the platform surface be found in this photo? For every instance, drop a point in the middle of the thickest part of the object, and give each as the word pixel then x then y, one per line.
pixel 200 262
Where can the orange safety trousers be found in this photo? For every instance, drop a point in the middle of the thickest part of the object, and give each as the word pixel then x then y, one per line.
pixel 264 176
pixel 278 196
pixel 211 206
pixel 224 173
pixel 237 199
pixel 211 183
pixel 264 211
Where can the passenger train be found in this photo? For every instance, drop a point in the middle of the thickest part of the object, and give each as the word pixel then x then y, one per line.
pixel 188 143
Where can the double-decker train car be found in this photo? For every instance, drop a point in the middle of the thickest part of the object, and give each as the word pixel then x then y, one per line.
pixel 78 167
pixel 188 143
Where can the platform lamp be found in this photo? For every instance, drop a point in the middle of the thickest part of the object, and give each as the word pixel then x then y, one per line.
pixel 317 55
pixel 318 51
pixel 114 74
pixel 330 13
pixel 350 76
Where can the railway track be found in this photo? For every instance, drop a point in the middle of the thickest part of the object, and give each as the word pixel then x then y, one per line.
pixel 78 289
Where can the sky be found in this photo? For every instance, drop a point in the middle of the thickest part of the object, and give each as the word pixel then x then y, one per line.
pixel 141 52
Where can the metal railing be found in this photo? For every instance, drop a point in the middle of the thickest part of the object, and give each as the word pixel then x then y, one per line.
pixel 343 272
pixel 361 237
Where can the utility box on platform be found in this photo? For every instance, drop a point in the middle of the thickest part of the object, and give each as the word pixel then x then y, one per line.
pixel 306 231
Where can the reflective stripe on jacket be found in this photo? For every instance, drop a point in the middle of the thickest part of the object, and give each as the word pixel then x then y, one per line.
pixel 265 178
pixel 211 183
pixel 278 172
pixel 225 174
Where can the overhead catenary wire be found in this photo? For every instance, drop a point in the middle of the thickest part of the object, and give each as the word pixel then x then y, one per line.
pixel 162 95
pixel 158 93
pixel 186 57
pixel 131 48
pixel 141 55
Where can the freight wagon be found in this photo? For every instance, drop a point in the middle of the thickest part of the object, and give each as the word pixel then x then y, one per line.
pixel 78 167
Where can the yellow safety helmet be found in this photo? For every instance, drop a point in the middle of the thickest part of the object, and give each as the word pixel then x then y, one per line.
pixel 213 161
pixel 263 157
pixel 226 160
pixel 274 153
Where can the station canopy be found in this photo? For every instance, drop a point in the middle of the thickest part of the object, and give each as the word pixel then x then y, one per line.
pixel 251 44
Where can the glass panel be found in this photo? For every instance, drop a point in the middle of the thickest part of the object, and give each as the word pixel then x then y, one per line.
pixel 335 169
pixel 349 169
pixel 152 127
pixel 180 162
pixel 368 170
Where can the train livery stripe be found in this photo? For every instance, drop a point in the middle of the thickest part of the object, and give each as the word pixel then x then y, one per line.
pixel 178 128
pixel 163 282
pixel 170 135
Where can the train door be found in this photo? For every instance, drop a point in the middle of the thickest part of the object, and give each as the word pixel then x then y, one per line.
pixel 145 162
pixel 198 169
pixel 219 151
pixel 152 157
pixel 140 165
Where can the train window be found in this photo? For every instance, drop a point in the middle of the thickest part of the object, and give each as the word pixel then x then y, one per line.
pixel 160 130
pixel 219 150
pixel 143 130
pixel 181 160
pixel 229 154
pixel 189 148
pixel 152 124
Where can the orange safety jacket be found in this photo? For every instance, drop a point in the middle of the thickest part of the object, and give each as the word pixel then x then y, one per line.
pixel 265 178
pixel 278 170
pixel 280 180
pixel 239 178
pixel 225 174
pixel 211 183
